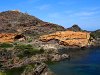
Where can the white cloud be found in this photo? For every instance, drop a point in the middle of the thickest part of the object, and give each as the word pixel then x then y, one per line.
pixel 85 13
pixel 28 2
pixel 67 2
pixel 68 11
pixel 55 15
pixel 44 7
pixel 91 8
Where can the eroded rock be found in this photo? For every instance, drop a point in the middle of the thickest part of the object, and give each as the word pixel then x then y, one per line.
pixel 68 38
pixel 11 37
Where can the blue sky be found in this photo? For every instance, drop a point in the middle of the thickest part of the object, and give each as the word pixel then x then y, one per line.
pixel 85 13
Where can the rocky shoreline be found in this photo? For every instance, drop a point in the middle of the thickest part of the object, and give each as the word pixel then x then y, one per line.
pixel 52 53
pixel 9 58
pixel 26 40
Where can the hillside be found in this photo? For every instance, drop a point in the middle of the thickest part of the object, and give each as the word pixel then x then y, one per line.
pixel 26 27
pixel 16 21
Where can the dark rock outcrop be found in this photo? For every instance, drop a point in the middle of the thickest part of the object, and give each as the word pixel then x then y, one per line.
pixel 74 28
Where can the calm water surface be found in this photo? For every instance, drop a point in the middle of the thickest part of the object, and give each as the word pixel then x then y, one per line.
pixel 82 62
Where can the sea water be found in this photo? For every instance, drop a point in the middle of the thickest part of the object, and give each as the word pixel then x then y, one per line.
pixel 82 62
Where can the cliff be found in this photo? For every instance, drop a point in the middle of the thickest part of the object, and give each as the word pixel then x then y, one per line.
pixel 68 38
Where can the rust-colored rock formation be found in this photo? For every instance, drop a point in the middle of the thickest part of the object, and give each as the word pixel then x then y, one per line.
pixel 68 38
pixel 9 37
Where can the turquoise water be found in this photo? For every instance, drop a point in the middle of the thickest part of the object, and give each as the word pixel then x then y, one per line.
pixel 82 62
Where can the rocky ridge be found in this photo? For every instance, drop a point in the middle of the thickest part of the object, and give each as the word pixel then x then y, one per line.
pixel 75 28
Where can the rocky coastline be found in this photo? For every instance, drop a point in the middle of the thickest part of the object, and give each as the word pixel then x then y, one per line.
pixel 10 58
pixel 26 41
pixel 50 51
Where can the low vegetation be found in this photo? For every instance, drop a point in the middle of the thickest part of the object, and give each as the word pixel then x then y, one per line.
pixel 96 34
pixel 27 50
pixel 5 45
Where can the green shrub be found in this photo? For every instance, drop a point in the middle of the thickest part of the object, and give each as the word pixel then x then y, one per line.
pixel 95 34
pixel 30 40
pixel 6 45
pixel 28 69
pixel 24 47
pixel 27 50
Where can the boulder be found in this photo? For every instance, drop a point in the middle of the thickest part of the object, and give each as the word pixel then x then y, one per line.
pixel 65 56
pixel 56 57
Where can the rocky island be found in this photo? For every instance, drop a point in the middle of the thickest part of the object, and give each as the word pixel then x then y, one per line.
pixel 26 42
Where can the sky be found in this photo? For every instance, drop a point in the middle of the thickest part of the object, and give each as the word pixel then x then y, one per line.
pixel 85 13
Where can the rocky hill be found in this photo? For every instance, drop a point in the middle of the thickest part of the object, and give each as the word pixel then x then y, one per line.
pixel 15 24
pixel 16 21
pixel 74 28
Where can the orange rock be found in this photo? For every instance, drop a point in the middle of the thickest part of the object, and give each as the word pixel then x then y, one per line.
pixel 69 38
pixel 7 37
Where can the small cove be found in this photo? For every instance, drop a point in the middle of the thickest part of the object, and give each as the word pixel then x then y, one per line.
pixel 82 62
